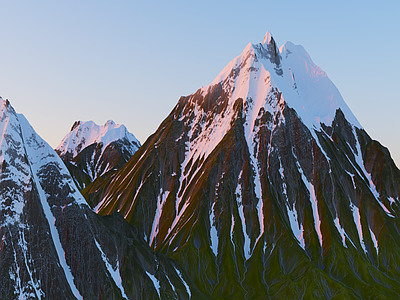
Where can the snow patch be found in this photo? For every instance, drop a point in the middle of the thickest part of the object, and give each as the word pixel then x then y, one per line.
pixel 340 230
pixel 297 227
pixel 162 198
pixel 115 274
pixel 360 162
pixel 357 221
pixel 184 282
pixel 156 283
pixel 239 199
pixel 314 203
pixel 213 232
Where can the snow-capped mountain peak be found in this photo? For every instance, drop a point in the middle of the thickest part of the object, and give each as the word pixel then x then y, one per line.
pixel 83 134
pixel 109 123
pixel 267 38
pixel 262 68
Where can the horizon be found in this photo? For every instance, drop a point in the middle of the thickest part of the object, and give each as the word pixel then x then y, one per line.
pixel 130 62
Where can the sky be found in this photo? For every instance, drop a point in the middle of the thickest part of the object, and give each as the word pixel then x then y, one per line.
pixel 131 61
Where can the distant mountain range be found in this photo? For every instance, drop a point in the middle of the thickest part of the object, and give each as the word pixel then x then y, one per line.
pixel 261 185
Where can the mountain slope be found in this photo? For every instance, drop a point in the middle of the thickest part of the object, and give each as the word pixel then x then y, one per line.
pixel 90 150
pixel 264 185
pixel 54 246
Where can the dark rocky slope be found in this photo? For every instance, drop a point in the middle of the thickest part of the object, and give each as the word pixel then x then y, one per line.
pixel 52 245
pixel 253 202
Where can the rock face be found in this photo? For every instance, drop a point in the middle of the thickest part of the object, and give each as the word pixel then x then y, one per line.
pixel 263 185
pixel 53 246
pixel 90 150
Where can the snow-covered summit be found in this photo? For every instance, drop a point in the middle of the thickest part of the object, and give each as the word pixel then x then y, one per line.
pixel 23 153
pixel 83 134
pixel 267 38
pixel 260 68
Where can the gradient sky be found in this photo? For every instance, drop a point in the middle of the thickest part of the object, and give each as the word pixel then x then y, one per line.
pixel 130 61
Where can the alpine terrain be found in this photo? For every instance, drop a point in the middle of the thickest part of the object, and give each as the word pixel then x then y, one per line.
pixel 53 246
pixel 263 185
pixel 90 150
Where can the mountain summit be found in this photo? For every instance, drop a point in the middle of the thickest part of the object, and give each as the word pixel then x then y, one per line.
pixel 83 134
pixel 90 150
pixel 53 246
pixel 264 185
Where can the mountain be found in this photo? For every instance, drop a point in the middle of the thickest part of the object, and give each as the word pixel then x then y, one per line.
pixel 53 246
pixel 90 150
pixel 263 185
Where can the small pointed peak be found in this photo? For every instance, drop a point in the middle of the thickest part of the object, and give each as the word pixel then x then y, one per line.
pixel 76 124
pixel 109 122
pixel 267 38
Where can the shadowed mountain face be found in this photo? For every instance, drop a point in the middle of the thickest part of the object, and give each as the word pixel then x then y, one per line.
pixel 53 246
pixel 263 185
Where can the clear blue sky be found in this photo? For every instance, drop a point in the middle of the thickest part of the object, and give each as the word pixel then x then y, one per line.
pixel 130 61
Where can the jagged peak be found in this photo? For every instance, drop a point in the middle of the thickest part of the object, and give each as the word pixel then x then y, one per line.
pixel 85 133
pixel 267 38
pixel 109 123
pixel 76 124
pixel 304 86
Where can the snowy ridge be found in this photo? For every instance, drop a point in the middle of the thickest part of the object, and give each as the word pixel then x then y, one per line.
pixel 40 153
pixel 23 153
pixel 84 134
pixel 12 163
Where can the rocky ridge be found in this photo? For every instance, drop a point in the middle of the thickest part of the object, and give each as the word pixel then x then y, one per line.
pixel 90 150
pixel 52 245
